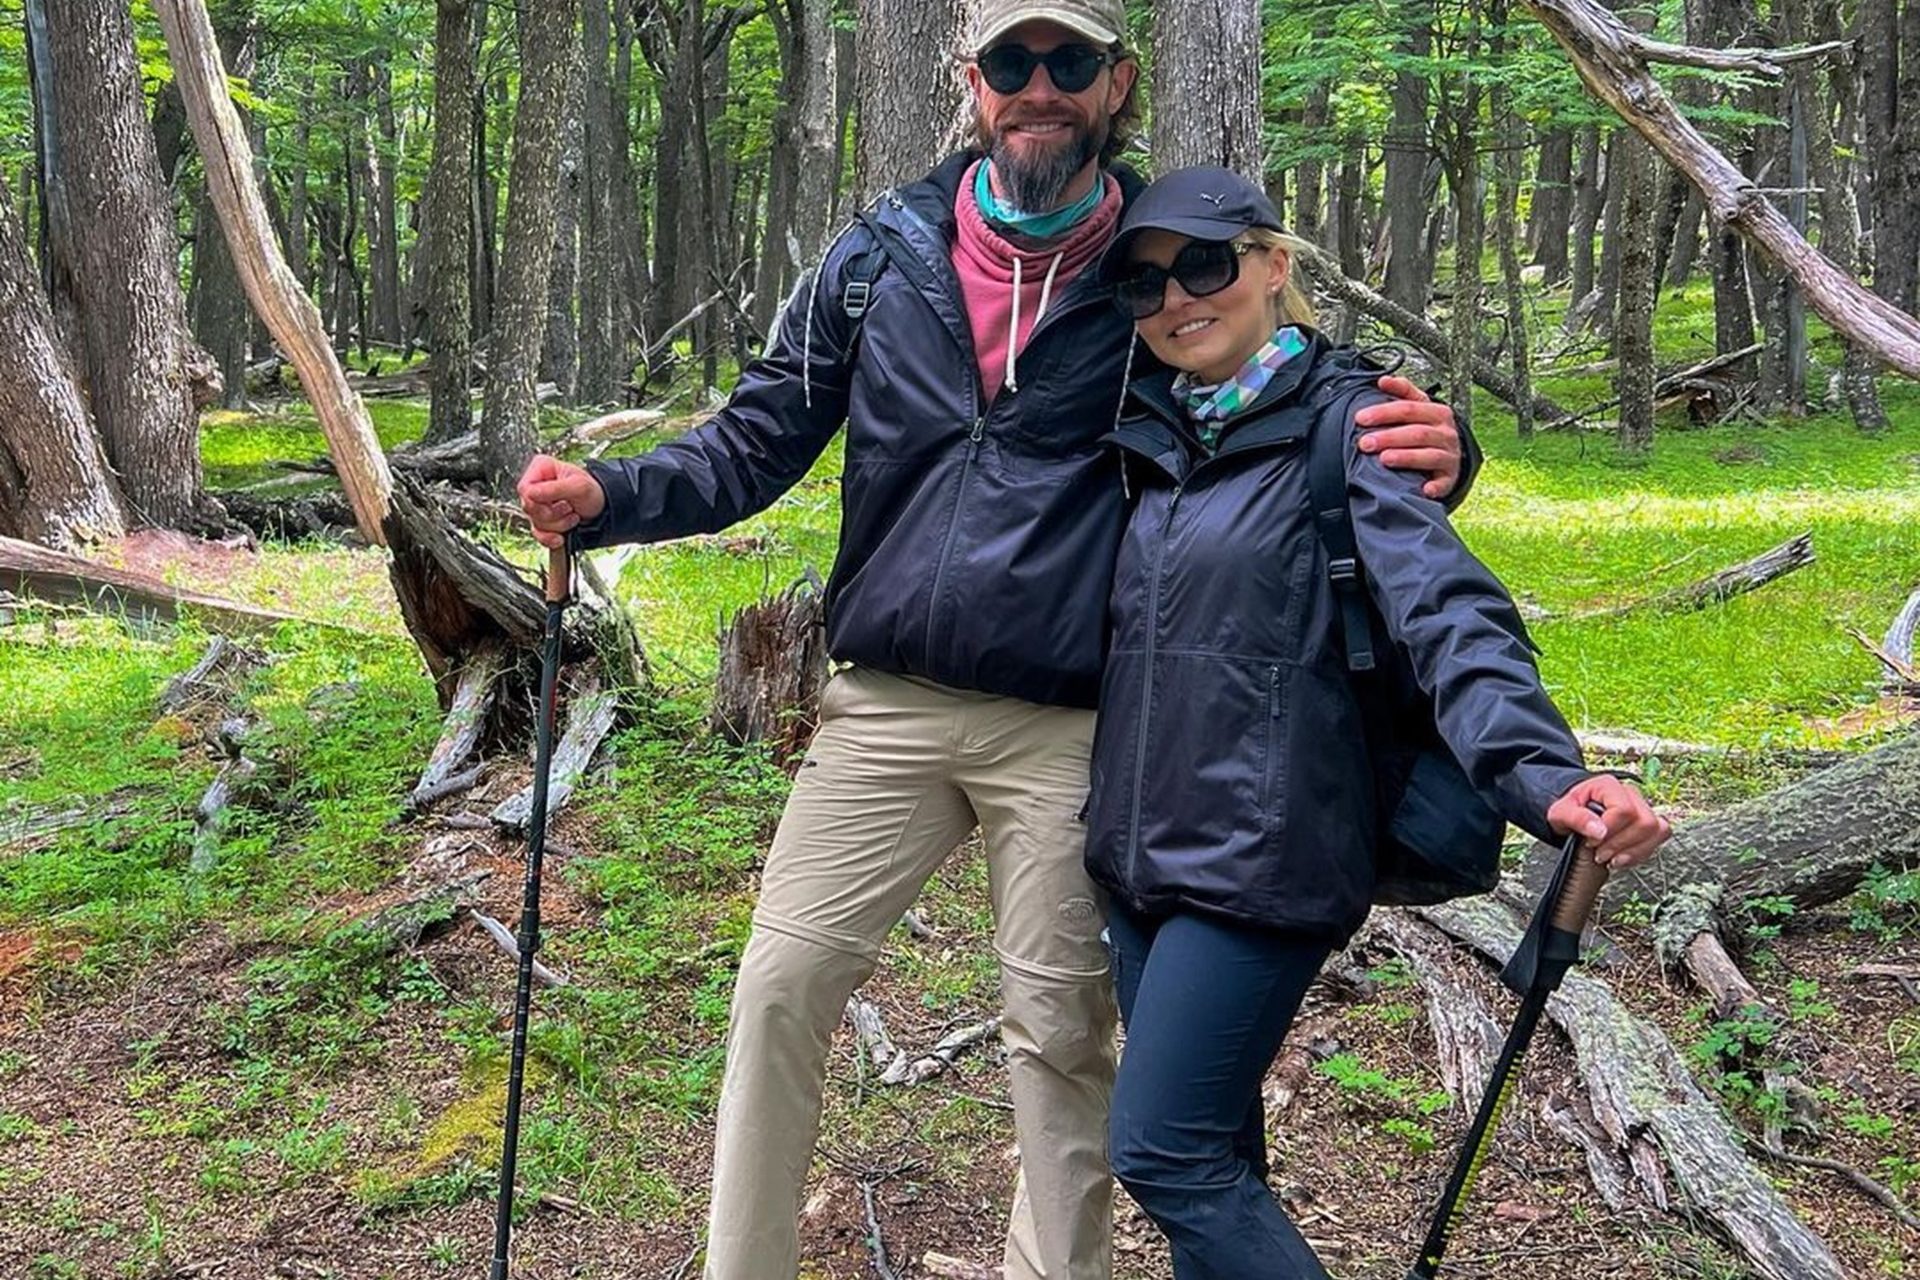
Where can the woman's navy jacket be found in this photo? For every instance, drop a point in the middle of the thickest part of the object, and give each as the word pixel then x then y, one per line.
pixel 1230 774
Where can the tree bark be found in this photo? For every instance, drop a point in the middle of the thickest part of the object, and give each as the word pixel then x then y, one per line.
pixel 1639 287
pixel 1506 212
pixel 383 218
pixel 560 347
pixel 1890 64
pixel 450 222
pixel 1210 110
pixel 1833 173
pixel 1553 205
pixel 904 98
pixel 599 376
pixel 1470 236
pixel 142 369
pixel 55 488
pixel 1587 198
pixel 1409 275
pixel 272 288
pixel 1310 180
pixel 513 347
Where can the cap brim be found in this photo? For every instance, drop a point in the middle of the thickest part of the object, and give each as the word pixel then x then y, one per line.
pixel 1194 228
pixel 1077 23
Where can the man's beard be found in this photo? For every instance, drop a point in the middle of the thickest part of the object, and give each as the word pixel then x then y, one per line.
pixel 1035 178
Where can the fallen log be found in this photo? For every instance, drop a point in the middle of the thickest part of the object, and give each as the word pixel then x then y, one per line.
pixel 1626 744
pixel 465 722
pixel 1662 386
pixel 1686 935
pixel 1902 676
pixel 1809 842
pixel 590 715
pixel 1900 635
pixel 27 569
pixel 1717 588
pixel 223 658
pixel 1465 1034
pixel 405 923
pixel 1637 1085
pixel 503 938
pixel 1417 329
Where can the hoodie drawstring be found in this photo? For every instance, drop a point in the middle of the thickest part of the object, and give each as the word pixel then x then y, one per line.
pixel 1013 335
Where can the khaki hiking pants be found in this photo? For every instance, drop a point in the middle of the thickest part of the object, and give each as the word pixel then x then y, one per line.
pixel 899 774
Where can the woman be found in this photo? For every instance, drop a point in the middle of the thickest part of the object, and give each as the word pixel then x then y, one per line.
pixel 1231 808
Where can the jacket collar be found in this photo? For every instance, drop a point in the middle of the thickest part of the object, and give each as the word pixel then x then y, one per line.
pixel 1281 412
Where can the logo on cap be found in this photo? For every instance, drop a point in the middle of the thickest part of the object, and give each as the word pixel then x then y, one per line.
pixel 1219 202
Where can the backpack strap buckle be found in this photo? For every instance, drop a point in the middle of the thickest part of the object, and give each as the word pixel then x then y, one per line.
pixel 858 294
pixel 1345 572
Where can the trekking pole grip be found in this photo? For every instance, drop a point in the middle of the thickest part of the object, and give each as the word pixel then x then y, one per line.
pixel 558 571
pixel 1585 879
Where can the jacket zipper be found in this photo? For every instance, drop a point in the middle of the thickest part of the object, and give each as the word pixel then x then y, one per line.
pixel 953 522
pixel 1146 686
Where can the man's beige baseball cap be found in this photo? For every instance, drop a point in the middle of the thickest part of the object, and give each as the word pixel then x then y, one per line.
pixel 1102 22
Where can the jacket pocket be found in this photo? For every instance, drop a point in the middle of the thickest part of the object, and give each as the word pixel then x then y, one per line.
pixel 1273 790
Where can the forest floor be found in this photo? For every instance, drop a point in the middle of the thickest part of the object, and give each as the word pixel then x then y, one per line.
pixel 227 1073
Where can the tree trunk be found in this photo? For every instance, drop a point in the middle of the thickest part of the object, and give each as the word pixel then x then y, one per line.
pixel 1469 240
pixel 218 305
pixel 560 348
pixel 55 488
pixel 677 60
pixel 1638 289
pixel 1553 205
pixel 1587 197
pixel 1833 172
pixel 1350 235
pixel 299 256
pixel 450 222
pixel 777 267
pixel 513 348
pixel 1890 65
pixel 489 158
pixel 1210 112
pixel 1685 251
pixel 1409 275
pixel 1310 181
pixel 905 100
pixel 1612 237
pixel 383 218
pixel 271 287
pixel 599 378
pixel 142 369
pixel 629 220
pixel 1506 212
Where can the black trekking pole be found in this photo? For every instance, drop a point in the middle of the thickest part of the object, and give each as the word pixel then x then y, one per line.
pixel 558 568
pixel 1549 949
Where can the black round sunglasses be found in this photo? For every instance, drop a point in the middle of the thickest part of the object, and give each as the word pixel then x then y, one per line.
pixel 1071 67
pixel 1202 267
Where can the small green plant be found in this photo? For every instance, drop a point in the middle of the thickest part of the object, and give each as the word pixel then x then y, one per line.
pixel 445 1252
pixel 1871 1125
pixel 309 1151
pixel 1887 904
pixel 1418 1138
pixel 15 1127
pixel 1768 914
pixel 1804 1002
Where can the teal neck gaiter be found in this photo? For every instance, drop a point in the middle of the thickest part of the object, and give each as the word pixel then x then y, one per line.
pixel 1039 226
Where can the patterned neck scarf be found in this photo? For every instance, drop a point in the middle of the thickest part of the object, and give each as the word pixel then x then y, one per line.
pixel 1210 405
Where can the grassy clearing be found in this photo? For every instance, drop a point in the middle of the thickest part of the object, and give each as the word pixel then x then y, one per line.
pixel 313 1055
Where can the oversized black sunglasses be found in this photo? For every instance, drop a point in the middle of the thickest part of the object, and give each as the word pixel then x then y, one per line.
pixel 1202 267
pixel 1071 67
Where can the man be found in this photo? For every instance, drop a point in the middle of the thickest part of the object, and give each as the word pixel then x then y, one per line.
pixel 959 333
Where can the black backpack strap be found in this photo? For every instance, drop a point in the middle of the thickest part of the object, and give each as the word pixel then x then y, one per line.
pixel 862 271
pixel 1327 488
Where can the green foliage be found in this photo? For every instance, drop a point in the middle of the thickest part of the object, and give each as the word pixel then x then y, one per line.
pixel 1887 904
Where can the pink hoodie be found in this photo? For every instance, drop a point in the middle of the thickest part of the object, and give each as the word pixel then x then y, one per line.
pixel 1006 287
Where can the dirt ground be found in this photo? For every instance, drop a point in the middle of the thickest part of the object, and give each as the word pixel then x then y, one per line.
pixel 102 1187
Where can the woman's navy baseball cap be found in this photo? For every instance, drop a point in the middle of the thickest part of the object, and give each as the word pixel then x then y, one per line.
pixel 1205 202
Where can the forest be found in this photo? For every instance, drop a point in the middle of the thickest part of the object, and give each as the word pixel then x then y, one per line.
pixel 290 291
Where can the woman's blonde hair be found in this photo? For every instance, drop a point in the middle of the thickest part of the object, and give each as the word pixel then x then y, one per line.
pixel 1291 304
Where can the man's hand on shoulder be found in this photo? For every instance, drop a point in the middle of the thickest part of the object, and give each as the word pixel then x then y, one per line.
pixel 1413 433
pixel 557 496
